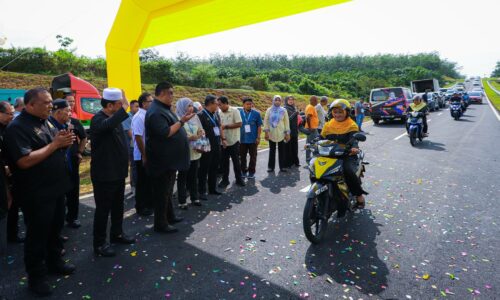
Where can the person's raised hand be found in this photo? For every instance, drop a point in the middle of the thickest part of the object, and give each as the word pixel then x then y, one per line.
pixel 187 117
pixel 125 103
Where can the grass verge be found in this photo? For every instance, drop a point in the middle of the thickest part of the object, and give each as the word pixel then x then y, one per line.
pixel 492 95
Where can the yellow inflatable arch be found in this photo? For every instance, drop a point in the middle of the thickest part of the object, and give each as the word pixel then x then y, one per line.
pixel 146 23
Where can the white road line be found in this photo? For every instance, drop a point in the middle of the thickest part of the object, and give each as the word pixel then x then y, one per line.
pixel 440 114
pixel 490 104
pixel 398 137
pixel 305 189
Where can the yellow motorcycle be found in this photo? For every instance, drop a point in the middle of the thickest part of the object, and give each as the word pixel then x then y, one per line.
pixel 328 192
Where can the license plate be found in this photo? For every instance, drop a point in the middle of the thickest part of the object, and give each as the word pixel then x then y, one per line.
pixel 321 190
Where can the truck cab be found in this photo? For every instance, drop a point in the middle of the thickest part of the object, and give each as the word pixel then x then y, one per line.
pixel 389 103
pixel 87 97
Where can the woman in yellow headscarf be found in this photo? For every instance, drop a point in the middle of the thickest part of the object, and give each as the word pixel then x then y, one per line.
pixel 341 129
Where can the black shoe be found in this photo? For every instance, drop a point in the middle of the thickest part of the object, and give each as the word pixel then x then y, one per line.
pixel 203 197
pixel 176 220
pixel 122 239
pixel 197 203
pixel 146 212
pixel 215 193
pixel 74 224
pixel 64 238
pixel 223 184
pixel 40 286
pixel 16 239
pixel 62 268
pixel 166 229
pixel 270 170
pixel 283 170
pixel 104 251
pixel 240 183
pixel 183 206
pixel 298 165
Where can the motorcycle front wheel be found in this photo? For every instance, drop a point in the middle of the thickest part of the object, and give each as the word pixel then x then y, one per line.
pixel 413 138
pixel 315 218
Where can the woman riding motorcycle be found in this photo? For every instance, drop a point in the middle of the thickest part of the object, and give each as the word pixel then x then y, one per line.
pixel 420 106
pixel 341 129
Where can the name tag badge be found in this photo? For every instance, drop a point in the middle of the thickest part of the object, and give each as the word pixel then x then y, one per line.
pixel 216 131
pixel 248 129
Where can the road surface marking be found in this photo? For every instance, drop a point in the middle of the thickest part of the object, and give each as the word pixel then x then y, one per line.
pixel 491 105
pixel 440 114
pixel 398 137
pixel 305 189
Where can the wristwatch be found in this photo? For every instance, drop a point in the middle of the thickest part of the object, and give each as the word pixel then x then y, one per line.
pixel 182 123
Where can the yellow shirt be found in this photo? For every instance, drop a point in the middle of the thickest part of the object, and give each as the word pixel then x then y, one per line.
pixel 231 116
pixel 277 134
pixel 192 130
pixel 313 113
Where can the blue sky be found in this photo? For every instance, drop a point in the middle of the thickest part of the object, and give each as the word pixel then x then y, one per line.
pixel 462 31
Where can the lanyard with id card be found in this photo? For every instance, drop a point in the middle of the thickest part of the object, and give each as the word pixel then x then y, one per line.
pixel 248 129
pixel 216 127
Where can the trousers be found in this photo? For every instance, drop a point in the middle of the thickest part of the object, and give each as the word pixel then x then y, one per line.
pixel 250 149
pixel 44 219
pixel 109 200
pixel 163 189
pixel 233 153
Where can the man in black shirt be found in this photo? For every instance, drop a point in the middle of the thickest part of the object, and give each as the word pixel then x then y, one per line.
pixel 209 163
pixel 37 160
pixel 108 170
pixel 6 116
pixel 167 151
pixel 75 157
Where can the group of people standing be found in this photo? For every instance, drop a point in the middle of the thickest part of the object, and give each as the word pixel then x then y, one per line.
pixel 192 146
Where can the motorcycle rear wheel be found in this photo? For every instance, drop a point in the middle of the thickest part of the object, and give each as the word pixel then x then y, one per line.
pixel 315 224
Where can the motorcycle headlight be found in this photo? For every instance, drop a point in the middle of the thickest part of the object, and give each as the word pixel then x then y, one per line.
pixel 324 151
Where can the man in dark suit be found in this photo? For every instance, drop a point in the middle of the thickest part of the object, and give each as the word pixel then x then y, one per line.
pixel 108 170
pixel 167 151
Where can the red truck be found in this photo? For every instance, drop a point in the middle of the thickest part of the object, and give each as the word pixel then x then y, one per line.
pixel 87 97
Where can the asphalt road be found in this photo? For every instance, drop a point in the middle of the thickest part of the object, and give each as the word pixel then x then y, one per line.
pixel 429 230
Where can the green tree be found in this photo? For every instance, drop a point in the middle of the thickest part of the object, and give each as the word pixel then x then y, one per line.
pixel 204 75
pixel 65 42
pixel 496 72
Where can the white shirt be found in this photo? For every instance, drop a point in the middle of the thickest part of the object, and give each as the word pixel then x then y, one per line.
pixel 321 115
pixel 138 129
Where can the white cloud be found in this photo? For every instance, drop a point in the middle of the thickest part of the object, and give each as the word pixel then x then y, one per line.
pixel 460 31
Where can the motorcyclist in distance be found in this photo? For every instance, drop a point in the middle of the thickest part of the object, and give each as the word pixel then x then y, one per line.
pixel 341 129
pixel 420 106
pixel 457 98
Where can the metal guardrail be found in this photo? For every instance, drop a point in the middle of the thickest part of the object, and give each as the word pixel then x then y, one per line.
pixel 494 89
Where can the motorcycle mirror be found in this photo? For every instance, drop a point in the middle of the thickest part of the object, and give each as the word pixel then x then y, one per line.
pixel 360 137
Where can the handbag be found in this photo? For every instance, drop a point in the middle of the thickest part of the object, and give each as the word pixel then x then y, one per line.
pixel 201 145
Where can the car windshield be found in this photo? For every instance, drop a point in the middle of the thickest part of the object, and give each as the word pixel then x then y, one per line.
pixel 387 94
pixel 91 105
pixel 475 94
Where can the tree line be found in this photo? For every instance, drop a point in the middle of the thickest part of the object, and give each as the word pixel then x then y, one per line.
pixel 337 76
